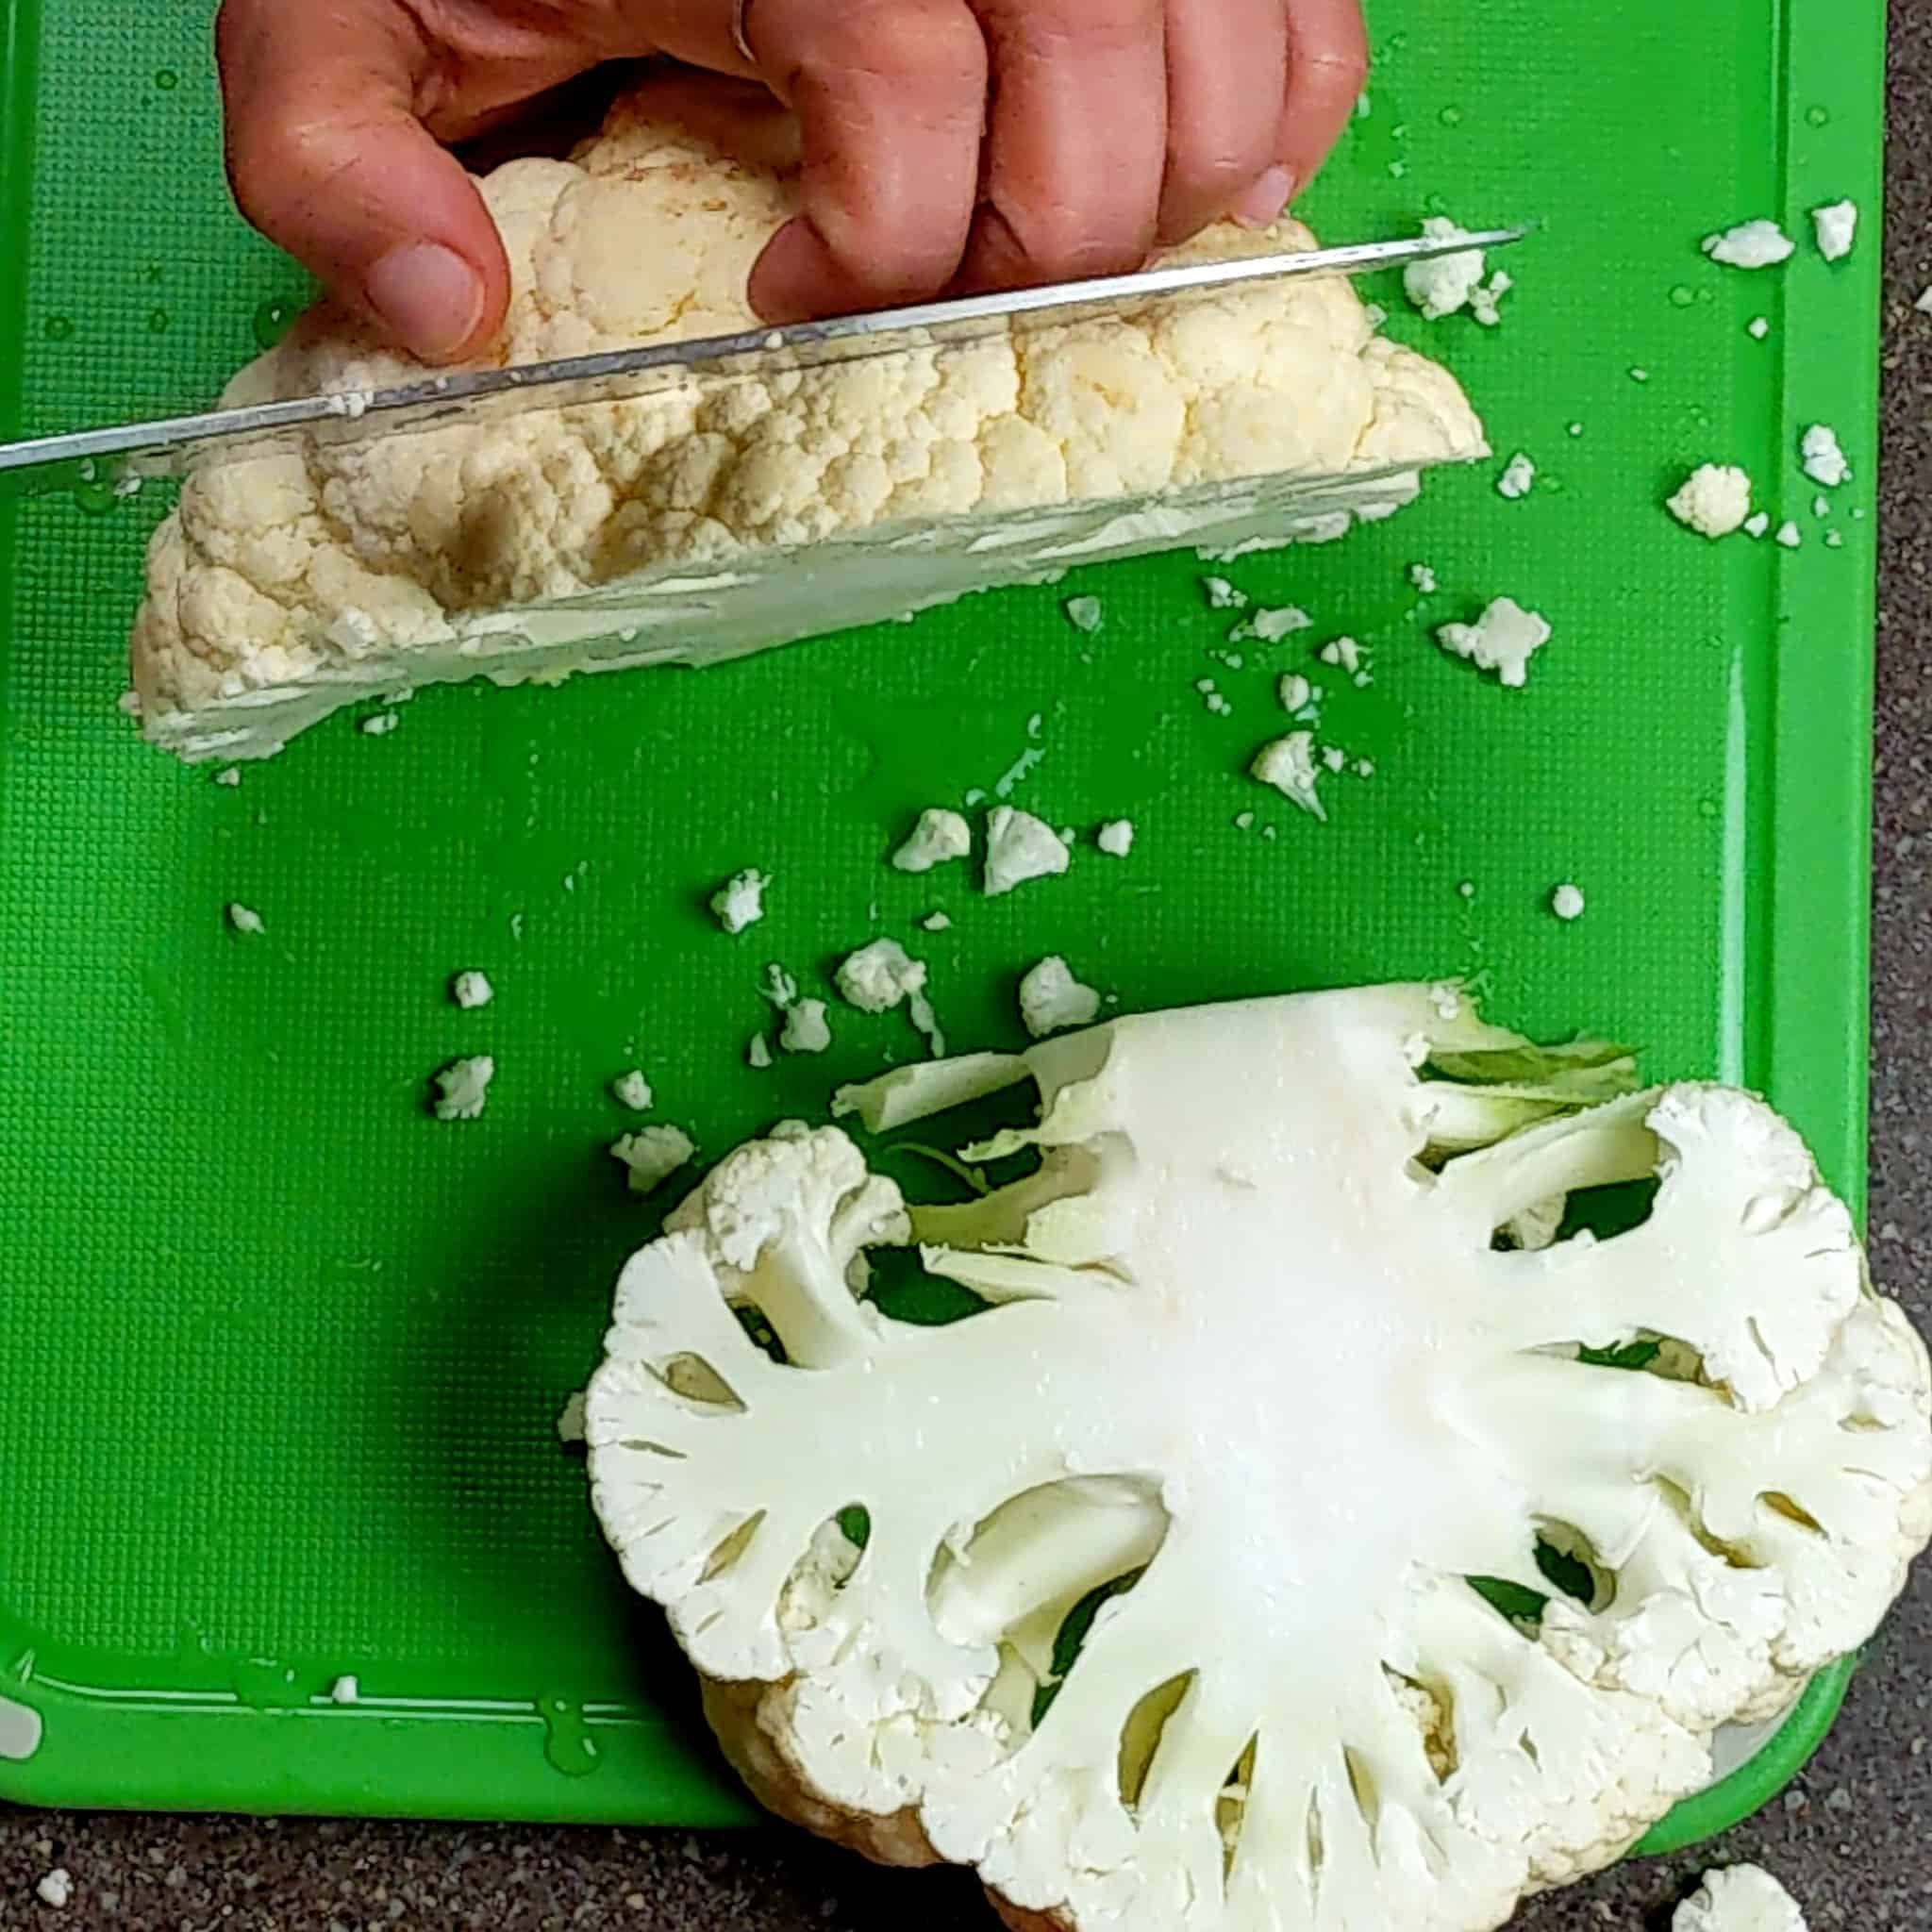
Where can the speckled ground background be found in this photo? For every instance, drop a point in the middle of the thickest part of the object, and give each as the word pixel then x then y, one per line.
pixel 1852 1839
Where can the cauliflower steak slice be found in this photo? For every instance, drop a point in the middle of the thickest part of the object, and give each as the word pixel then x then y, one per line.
pixel 1301 1530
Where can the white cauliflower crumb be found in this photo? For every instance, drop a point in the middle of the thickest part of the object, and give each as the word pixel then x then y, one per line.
pixel 651 1156
pixel 1639 375
pixel 1823 457
pixel 937 922
pixel 1271 626
pixel 348 1690
pixel 1759 327
pixel 228 774
pixel 471 989
pixel 1424 578
pixel 570 1419
pixel 1518 476
pixel 739 901
pixel 1345 653
pixel 1085 613
pixel 1503 639
pixel 1923 305
pixel 1116 838
pixel 1052 1000
pixel 464 1087
pixel 1835 225
pixel 1738 1898
pixel 1444 285
pixel 1788 535
pixel 878 976
pixel 56 1889
pixel 1365 768
pixel 1485 299
pixel 1289 765
pixel 1567 901
pixel 244 918
pixel 1749 244
pixel 633 1091
pixel 1294 691
pixel 779 987
pixel 1714 499
pixel 1334 756
pixel 805 1028
pixel 1757 524
pixel 380 726
pixel 758 1053
pixel 1834 539
pixel 1020 847
pixel 1223 595
pixel 940 837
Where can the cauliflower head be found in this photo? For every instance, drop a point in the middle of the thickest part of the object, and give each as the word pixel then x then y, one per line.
pixel 659 529
pixel 1306 1523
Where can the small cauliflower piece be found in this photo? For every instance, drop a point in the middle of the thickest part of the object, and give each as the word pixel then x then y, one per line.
pixel 1567 902
pixel 1052 1000
pixel 1294 691
pixel 878 976
pixel 471 989
pixel 1738 1898
pixel 1020 847
pixel 1424 578
pixel 940 837
pixel 570 1421
pixel 1270 626
pixel 1715 500
pixel 1835 225
pixel 1503 639
pixel 1757 522
pixel 463 1087
pixel 1444 285
pixel 1223 595
pixel 651 1156
pixel 633 1091
pixel 873 1539
pixel 1116 838
pixel 1749 244
pixel 757 1052
pixel 673 528
pixel 1788 535
pixel 1823 457
pixel 244 919
pixel 739 901
pixel 345 1689
pixel 1518 477
pixel 56 1889
pixel 1085 613
pixel 805 1028
pixel 1289 765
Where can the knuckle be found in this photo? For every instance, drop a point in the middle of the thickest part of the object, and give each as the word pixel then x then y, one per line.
pixel 884 41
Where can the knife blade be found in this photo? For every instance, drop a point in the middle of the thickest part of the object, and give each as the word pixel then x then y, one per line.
pixel 122 455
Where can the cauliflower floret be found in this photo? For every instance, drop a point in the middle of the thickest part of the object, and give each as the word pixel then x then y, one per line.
pixel 739 901
pixel 1503 639
pixel 1445 284
pixel 1714 501
pixel 1020 847
pixel 463 1087
pixel 1823 457
pixel 805 1028
pixel 938 837
pixel 284 586
pixel 1738 1898
pixel 471 989
pixel 651 1156
pixel 1052 1000
pixel 1289 765
pixel 1116 838
pixel 633 1091
pixel 877 977
pixel 872 1540
pixel 1749 244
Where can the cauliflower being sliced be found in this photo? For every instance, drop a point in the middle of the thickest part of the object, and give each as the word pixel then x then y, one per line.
pixel 670 528
pixel 1415 1572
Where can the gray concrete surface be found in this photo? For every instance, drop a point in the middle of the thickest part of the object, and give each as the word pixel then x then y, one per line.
pixel 1852 1839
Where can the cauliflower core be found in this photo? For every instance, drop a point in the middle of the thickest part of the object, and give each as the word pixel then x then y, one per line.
pixel 1415 1568
pixel 668 528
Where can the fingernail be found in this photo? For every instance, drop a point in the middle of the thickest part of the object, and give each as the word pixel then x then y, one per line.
pixel 793 276
pixel 1260 204
pixel 429 296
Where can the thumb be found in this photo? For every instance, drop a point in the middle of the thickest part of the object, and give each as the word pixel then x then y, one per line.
pixel 327 157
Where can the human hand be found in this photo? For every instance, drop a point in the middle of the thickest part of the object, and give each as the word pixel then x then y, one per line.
pixel 944 143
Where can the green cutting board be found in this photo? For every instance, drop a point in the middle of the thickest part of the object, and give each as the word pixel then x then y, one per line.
pixel 282 1354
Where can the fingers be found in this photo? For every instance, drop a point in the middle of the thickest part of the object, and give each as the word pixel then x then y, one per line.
pixel 889 96
pixel 328 159
pixel 1226 79
pixel 1076 148
pixel 1327 64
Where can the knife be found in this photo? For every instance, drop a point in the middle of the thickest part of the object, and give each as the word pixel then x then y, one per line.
pixel 122 457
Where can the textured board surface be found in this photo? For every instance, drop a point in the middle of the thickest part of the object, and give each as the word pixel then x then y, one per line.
pixel 283 1353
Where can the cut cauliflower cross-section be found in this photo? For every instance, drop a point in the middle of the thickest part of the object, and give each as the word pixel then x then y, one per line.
pixel 679 526
pixel 1419 1541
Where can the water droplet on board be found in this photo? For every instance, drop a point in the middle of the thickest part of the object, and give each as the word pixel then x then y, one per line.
pixel 167 80
pixel 1818 116
pixel 1682 297
pixel 272 322
pixel 567 1741
pixel 1450 117
pixel 58 329
pixel 158 320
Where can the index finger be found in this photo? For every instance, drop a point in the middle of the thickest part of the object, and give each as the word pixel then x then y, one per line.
pixel 889 96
